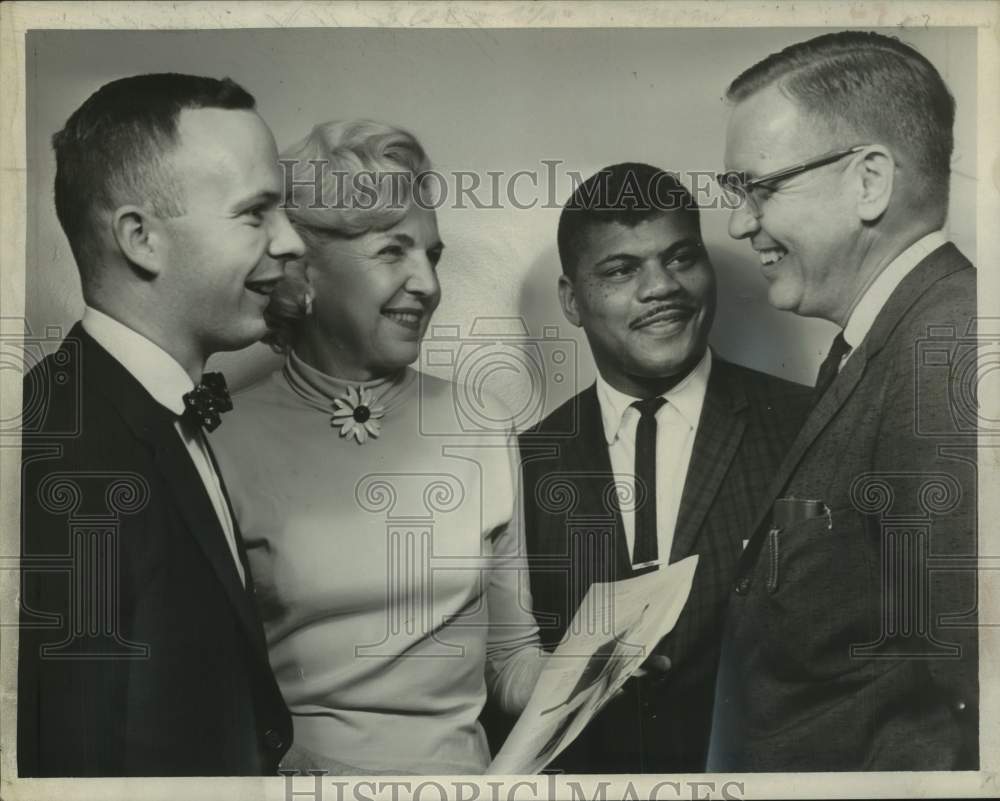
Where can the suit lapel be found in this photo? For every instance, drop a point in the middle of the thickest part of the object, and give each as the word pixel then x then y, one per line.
pixel 154 425
pixel 720 431
pixel 587 454
pixel 195 506
pixel 939 264
pixel 835 397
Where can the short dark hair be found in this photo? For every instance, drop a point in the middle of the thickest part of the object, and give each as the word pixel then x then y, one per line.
pixel 627 193
pixel 878 88
pixel 112 149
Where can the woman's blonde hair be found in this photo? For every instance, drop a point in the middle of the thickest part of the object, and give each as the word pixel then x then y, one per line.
pixel 345 178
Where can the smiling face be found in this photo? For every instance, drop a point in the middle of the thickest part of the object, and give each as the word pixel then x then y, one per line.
pixel 645 297
pixel 374 296
pixel 225 251
pixel 808 233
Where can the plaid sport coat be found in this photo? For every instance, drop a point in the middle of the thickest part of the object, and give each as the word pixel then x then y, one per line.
pixel 575 537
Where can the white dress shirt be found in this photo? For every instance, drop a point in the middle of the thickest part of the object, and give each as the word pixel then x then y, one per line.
pixel 676 425
pixel 875 297
pixel 163 378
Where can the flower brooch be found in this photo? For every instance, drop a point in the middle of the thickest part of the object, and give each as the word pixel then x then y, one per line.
pixel 356 416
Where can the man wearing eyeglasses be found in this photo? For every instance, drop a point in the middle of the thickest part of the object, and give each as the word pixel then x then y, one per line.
pixel 851 635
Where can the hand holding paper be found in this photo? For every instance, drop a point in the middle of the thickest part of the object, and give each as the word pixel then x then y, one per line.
pixel 612 635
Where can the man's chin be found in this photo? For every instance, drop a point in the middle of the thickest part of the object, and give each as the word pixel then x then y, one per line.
pixel 668 366
pixel 782 297
pixel 249 333
pixel 662 357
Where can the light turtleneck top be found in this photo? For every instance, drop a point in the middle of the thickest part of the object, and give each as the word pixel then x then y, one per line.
pixel 391 575
pixel 319 390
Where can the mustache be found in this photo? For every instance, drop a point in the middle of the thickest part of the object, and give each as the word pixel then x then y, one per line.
pixel 686 308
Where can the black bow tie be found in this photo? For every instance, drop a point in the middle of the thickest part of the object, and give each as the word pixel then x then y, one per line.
pixel 208 400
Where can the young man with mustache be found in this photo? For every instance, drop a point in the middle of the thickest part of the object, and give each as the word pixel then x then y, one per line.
pixel 685 439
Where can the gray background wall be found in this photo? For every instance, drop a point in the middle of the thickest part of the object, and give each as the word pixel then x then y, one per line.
pixel 481 100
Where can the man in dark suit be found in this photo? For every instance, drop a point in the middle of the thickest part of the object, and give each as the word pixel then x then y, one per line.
pixel 851 640
pixel 140 649
pixel 662 458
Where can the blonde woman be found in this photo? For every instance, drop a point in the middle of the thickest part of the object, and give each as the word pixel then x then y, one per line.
pixel 389 569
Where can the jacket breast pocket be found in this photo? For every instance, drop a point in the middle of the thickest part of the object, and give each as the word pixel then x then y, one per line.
pixel 822 591
pixel 805 535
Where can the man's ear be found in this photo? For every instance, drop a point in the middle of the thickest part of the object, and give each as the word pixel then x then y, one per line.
pixel 137 235
pixel 876 172
pixel 567 299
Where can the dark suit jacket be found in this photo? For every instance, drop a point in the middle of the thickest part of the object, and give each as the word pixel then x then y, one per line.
pixel 140 650
pixel 747 422
pixel 851 640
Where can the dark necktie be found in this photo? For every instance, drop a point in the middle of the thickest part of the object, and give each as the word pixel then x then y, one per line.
pixel 831 365
pixel 204 404
pixel 646 549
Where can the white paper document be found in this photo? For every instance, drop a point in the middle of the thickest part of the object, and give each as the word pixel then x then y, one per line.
pixel 617 626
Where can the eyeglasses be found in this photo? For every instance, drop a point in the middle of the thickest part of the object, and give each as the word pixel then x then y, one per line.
pixel 737 182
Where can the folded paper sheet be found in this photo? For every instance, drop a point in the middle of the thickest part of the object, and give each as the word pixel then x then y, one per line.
pixel 616 627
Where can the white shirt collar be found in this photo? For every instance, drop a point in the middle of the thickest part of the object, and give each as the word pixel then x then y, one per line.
pixel 876 296
pixel 158 372
pixel 687 398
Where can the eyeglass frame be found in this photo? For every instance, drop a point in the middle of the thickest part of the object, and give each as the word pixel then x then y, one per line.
pixel 732 180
